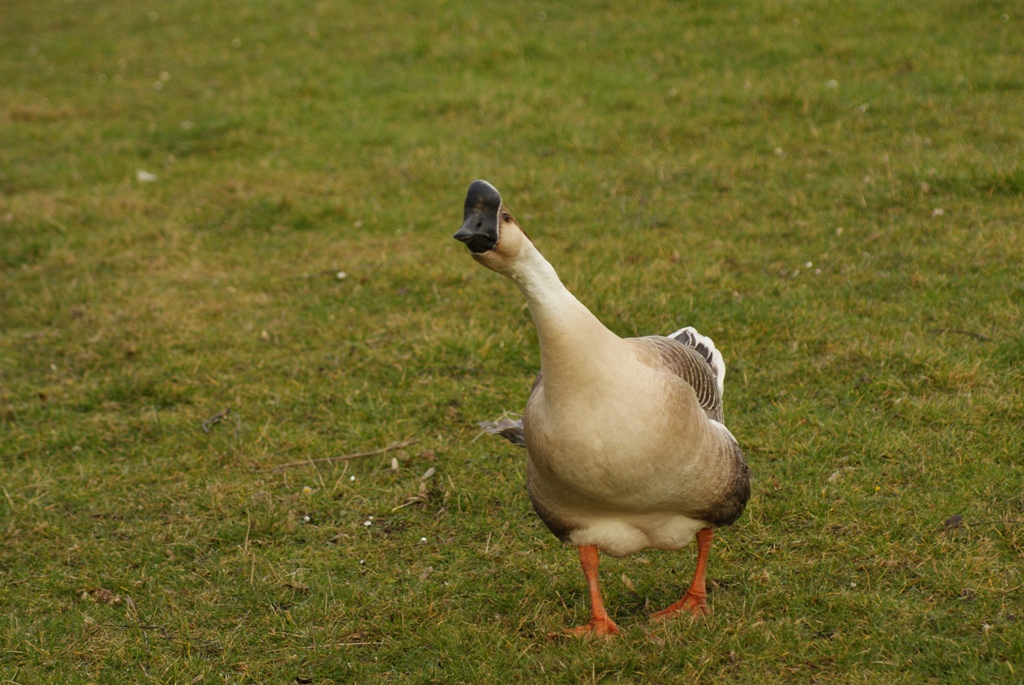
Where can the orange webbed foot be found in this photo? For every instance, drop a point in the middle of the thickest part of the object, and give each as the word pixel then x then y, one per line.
pixel 601 627
pixel 600 623
pixel 694 605
pixel 695 601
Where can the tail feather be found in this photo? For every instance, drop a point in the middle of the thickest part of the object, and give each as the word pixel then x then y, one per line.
pixel 510 429
pixel 706 346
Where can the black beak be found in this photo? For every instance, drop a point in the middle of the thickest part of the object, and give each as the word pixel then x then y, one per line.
pixel 479 231
pixel 480 217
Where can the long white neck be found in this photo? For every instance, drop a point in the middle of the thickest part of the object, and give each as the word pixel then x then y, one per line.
pixel 573 342
pixel 544 292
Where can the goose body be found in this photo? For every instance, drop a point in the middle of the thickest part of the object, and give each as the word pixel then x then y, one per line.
pixel 625 438
pixel 656 468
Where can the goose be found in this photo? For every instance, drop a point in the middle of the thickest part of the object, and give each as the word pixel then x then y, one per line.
pixel 624 436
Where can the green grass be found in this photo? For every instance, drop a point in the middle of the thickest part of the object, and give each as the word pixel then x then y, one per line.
pixel 832 191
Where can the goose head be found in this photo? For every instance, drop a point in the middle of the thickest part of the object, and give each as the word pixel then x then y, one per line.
pixel 489 230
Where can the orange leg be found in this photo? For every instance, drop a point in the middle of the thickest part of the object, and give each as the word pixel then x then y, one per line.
pixel 695 600
pixel 600 623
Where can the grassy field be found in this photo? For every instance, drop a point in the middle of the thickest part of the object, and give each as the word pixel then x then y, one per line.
pixel 225 247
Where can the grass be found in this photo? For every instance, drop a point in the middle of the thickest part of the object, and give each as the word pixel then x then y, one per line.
pixel 832 191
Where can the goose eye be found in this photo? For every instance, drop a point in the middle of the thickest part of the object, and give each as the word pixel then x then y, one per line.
pixel 506 217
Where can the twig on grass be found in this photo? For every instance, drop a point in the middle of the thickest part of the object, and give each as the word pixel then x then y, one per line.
pixel 346 644
pixel 994 522
pixel 340 457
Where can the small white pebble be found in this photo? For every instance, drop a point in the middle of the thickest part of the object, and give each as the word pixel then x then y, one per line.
pixel 351 477
pixel 367 523
pixel 853 584
pixel 341 275
pixel 839 231
pixel 817 271
pixel 832 84
pixel 937 211
pixel 777 151
pixel 808 265
pixel 362 562
pixel 394 463
pixel 306 518
pixel 145 177
pixel 423 539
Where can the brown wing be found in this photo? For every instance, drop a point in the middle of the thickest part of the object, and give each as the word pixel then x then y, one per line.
pixel 691 367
